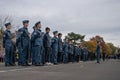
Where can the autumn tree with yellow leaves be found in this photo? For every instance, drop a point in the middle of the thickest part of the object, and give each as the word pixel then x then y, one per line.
pixel 107 48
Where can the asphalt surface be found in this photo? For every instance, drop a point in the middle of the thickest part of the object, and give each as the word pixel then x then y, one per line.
pixel 108 70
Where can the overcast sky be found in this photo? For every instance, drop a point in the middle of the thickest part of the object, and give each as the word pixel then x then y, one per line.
pixel 87 17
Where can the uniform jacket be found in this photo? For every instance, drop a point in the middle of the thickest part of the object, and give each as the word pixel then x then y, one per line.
pixel 23 37
pixel 7 39
pixel 65 47
pixel 37 38
pixel 54 43
pixel 47 40
pixel 70 49
pixel 60 45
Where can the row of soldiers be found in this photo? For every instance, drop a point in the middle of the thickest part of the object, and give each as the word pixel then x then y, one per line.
pixel 39 47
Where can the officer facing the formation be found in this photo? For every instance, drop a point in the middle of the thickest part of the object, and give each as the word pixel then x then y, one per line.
pixel 37 39
pixel 24 41
pixel 60 48
pixel 55 47
pixel 47 44
pixel 65 52
pixel 98 51
pixel 8 45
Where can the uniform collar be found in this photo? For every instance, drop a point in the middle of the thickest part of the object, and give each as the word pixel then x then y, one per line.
pixel 59 38
pixel 38 30
pixel 55 36
pixel 47 33
pixel 8 30
pixel 25 28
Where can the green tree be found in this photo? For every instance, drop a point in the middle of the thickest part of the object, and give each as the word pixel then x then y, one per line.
pixel 92 45
pixel 112 47
pixel 76 38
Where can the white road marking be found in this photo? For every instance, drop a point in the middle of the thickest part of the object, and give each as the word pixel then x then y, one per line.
pixel 19 69
pixel 16 70
pixel 2 71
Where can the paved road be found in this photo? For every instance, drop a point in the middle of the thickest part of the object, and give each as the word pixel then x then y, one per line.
pixel 108 70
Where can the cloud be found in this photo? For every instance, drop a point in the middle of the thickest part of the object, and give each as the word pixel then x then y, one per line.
pixel 89 17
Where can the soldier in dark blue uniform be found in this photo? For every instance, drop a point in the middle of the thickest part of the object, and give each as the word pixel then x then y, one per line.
pixel 60 47
pixel 65 52
pixel 80 52
pixel 71 51
pixel 8 45
pixel 24 41
pixel 85 54
pixel 47 45
pixel 77 53
pixel 19 46
pixel 43 50
pixel 32 47
pixel 37 39
pixel 98 51
pixel 55 47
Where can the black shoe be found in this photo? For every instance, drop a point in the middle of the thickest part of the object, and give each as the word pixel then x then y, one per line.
pixel 7 65
pixel 55 63
pixel 33 63
pixel 98 62
pixel 23 64
pixel 37 64
pixel 28 64
pixel 19 64
pixel 42 64
pixel 13 64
